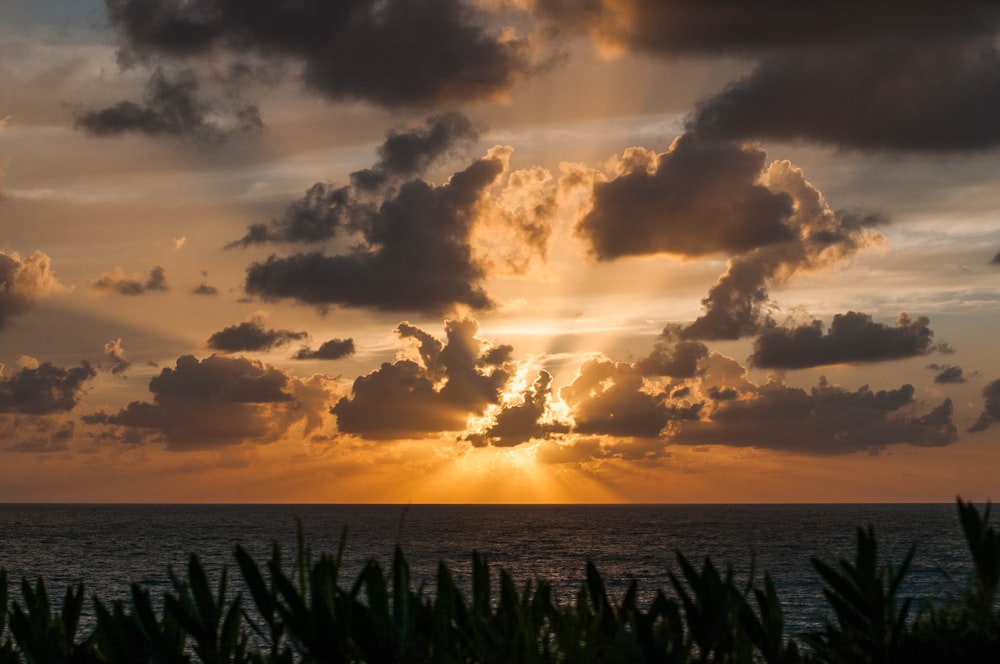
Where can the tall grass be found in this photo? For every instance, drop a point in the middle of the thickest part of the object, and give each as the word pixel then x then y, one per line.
pixel 306 612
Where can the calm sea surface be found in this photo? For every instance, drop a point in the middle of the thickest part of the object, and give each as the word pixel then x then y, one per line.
pixel 108 547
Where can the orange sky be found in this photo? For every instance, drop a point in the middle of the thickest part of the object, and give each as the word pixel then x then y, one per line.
pixel 498 252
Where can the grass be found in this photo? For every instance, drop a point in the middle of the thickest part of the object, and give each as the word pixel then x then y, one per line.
pixel 305 611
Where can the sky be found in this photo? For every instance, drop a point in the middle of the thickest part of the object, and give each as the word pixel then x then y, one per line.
pixel 499 251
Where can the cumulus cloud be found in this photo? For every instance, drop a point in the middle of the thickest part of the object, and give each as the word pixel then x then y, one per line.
pixel 851 338
pixel 611 398
pixel 825 420
pixel 737 304
pixel 43 389
pixel 334 349
pixel 996 259
pixel 395 53
pixel 116 358
pixel 947 374
pixel 117 281
pixel 23 282
pixel 436 391
pixel 416 254
pixel 528 419
pixel 220 401
pixel 172 107
pixel 696 199
pixel 991 408
pixel 250 335
pixel 205 289
pixel 680 359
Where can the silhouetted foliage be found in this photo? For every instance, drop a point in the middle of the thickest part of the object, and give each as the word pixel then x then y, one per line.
pixel 307 614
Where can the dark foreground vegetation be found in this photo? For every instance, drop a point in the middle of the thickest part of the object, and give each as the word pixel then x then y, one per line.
pixel 307 613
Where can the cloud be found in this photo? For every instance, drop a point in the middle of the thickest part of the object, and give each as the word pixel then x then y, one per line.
pixel 416 254
pixel 395 53
pixel 851 338
pixel 117 360
pixel 736 305
pixel 611 398
pixel 522 421
pixel 220 401
pixel 434 392
pixel 334 349
pixel 947 374
pixel 119 282
pixel 825 420
pixel 250 335
pixel 171 107
pixel 931 95
pixel 412 151
pixel 697 199
pixel 678 360
pixel 23 282
pixel 991 408
pixel 205 289
pixel 36 435
pixel 328 209
pixel 44 389
pixel 996 259
pixel 676 27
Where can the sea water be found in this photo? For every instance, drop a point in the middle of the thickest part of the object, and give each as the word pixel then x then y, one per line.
pixel 108 547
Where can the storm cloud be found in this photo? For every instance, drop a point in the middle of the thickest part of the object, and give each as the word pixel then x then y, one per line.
pixel 250 335
pixel 851 338
pixel 395 53
pixel 432 393
pixel 117 281
pixel 23 283
pixel 219 401
pixel 172 107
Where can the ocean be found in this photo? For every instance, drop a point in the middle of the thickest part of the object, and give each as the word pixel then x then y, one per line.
pixel 108 547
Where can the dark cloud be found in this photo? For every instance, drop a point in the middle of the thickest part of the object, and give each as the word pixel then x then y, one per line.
pixel 438 393
pixel 677 27
pixel 205 289
pixel 737 304
pixel 826 420
pixel 393 53
pixel 947 374
pixel 416 254
pixel 918 96
pixel 334 349
pixel 44 389
pixel 410 152
pixel 23 282
pixel 678 360
pixel 118 282
pixel 324 211
pixel 117 360
pixel 250 335
pixel 610 398
pixel 171 107
pixel 219 401
pixel 851 338
pixel 996 259
pixel 698 198
pixel 36 435
pixel 520 422
pixel 328 209
pixel 991 408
